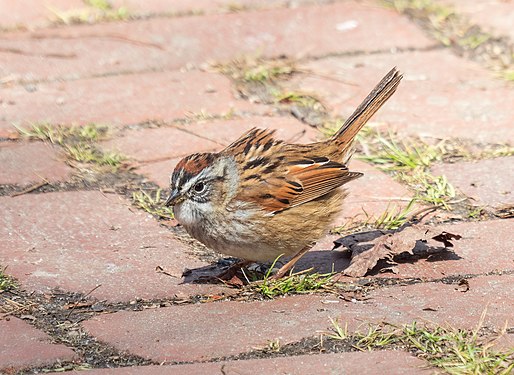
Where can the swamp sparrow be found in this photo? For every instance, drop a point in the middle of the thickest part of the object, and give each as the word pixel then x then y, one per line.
pixel 261 197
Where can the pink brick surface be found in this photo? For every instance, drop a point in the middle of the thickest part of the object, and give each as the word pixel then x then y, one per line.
pixel 24 163
pixel 153 145
pixel 172 43
pixel 493 16
pixel 441 95
pixel 365 363
pixel 33 13
pixel 488 182
pixel 77 240
pixel 24 346
pixel 203 331
pixel 118 100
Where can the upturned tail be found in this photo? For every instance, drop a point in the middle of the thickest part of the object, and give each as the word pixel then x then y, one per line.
pixel 380 94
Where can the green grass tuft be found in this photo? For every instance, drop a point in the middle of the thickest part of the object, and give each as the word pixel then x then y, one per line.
pixel 94 11
pixel 298 98
pixel 456 351
pixel 152 203
pixel 431 189
pixel 391 154
pixel 87 153
pixel 409 162
pixel 295 283
pixel 392 218
pixel 6 282
pixel 507 75
pixel 61 134
pixel 78 142
pixel 257 69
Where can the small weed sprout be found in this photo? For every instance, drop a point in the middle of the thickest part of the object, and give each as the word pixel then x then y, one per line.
pixel 257 69
pixel 78 142
pixel 456 351
pixel 152 203
pixel 336 331
pixel 294 283
pixel 94 11
pixel 6 282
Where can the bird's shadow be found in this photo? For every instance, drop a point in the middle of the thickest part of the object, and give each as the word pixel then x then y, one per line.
pixel 335 258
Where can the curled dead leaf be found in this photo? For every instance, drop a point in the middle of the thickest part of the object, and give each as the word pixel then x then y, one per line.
pixel 370 247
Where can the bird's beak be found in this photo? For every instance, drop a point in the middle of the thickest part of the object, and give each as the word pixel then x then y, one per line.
pixel 173 198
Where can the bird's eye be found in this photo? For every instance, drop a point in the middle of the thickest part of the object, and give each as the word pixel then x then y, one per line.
pixel 199 187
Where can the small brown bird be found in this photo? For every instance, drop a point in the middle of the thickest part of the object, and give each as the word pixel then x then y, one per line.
pixel 261 197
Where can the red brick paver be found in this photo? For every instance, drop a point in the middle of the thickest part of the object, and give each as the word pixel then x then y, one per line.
pixel 230 328
pixel 33 13
pixel 119 100
pixel 173 43
pixel 494 16
pixel 488 182
pixel 23 163
pixel 441 95
pixel 150 145
pixel 366 363
pixel 78 240
pixel 24 346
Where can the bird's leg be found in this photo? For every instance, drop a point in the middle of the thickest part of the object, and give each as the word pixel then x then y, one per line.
pixel 286 267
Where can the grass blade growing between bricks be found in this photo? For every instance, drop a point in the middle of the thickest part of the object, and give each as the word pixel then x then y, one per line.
pixel 409 161
pixel 6 282
pixel 78 143
pixel 62 134
pixel 152 203
pixel 456 351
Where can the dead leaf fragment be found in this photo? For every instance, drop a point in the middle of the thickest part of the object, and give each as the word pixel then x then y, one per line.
pixel 463 286
pixel 370 247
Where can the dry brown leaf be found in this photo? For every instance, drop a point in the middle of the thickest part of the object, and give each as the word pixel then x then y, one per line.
pixel 369 247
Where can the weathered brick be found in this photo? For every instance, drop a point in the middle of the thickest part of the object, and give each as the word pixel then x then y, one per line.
pixel 487 182
pixel 172 43
pixel 23 163
pixel 33 13
pixel 24 346
pixel 441 95
pixel 153 145
pixel 78 240
pixel 203 331
pixel 493 16
pixel 119 100
pixel 366 363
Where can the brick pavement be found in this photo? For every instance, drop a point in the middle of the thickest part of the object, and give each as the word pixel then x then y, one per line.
pixel 100 281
